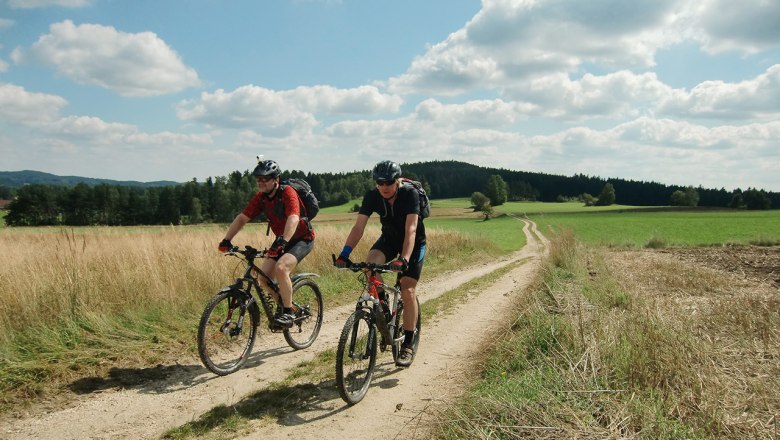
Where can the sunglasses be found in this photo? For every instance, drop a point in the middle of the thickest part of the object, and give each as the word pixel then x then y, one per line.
pixel 264 178
pixel 383 183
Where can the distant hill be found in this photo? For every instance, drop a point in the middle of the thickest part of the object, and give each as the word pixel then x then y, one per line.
pixel 16 179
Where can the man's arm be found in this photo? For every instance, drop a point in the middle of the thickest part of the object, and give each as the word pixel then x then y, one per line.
pixel 409 236
pixel 236 225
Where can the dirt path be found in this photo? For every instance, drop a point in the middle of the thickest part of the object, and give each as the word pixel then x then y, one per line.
pixel 397 401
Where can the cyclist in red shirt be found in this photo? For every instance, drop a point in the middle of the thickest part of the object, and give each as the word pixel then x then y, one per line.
pixel 294 235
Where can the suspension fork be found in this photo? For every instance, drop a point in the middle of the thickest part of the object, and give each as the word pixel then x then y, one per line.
pixel 359 314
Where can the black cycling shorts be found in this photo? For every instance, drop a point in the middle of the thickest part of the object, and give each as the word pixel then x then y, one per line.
pixel 414 270
pixel 299 249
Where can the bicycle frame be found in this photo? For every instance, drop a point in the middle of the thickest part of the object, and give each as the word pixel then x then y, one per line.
pixel 249 280
pixel 385 324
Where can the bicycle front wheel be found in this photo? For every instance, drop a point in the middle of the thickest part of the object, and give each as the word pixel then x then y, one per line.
pixel 226 335
pixel 356 357
pixel 399 329
pixel 307 307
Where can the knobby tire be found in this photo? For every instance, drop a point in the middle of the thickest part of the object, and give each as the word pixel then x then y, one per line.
pixel 356 356
pixel 222 348
pixel 307 301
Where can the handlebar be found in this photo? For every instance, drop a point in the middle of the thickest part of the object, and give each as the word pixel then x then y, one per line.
pixel 374 267
pixel 248 252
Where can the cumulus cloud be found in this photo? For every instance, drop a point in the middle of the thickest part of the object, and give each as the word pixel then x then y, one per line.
pixel 129 64
pixel 279 113
pixel 520 40
pixel 19 106
pixel 31 4
pixel 755 98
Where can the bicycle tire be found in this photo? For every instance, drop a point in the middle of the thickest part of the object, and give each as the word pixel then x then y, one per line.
pixel 222 347
pixel 307 299
pixel 399 329
pixel 353 373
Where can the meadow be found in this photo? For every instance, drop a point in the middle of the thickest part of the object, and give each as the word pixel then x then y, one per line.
pixel 75 302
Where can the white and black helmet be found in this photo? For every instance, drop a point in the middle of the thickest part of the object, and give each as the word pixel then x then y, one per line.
pixel 266 168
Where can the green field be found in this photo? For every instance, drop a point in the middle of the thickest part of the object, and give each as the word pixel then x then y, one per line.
pixel 667 228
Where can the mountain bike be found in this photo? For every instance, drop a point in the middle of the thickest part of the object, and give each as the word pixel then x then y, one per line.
pixel 229 324
pixel 375 324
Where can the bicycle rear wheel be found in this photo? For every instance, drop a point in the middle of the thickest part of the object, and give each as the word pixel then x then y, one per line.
pixel 225 336
pixel 399 329
pixel 356 357
pixel 307 307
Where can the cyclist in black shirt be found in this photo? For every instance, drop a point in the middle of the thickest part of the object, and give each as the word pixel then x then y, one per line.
pixel 402 240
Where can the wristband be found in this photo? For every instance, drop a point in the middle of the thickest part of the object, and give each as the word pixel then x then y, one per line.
pixel 346 251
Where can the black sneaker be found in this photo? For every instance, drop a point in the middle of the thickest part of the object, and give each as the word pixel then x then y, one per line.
pixel 285 320
pixel 405 356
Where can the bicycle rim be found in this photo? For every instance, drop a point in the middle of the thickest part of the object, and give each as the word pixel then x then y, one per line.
pixel 399 330
pixel 356 357
pixel 307 307
pixel 222 346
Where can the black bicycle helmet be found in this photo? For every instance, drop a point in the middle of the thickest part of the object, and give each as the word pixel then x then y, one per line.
pixel 386 171
pixel 267 168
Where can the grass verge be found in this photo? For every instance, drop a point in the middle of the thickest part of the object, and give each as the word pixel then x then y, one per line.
pixel 605 346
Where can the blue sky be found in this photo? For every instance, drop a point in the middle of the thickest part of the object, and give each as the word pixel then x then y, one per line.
pixel 672 91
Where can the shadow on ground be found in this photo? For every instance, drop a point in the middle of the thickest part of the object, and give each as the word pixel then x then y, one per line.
pixel 161 378
pixel 289 405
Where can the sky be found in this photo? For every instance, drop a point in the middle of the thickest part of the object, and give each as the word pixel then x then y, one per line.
pixel 680 92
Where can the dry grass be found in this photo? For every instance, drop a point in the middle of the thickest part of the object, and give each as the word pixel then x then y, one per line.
pixel 689 352
pixel 77 302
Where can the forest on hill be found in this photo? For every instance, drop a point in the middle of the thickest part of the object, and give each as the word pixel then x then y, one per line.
pixel 100 202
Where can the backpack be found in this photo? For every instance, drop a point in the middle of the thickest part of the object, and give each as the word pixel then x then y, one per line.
pixel 311 206
pixel 425 205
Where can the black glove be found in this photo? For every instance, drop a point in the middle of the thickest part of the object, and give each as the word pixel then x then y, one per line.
pixel 399 264
pixel 342 261
pixel 277 247
pixel 225 245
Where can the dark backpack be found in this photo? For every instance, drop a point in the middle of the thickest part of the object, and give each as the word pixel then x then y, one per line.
pixel 425 205
pixel 311 206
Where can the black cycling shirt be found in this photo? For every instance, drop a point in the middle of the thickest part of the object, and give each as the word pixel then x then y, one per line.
pixel 393 217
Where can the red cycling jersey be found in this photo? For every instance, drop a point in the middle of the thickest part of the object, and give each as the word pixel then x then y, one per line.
pixel 291 204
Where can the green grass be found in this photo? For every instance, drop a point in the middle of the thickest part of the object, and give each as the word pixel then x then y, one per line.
pixel 667 228
pixel 504 231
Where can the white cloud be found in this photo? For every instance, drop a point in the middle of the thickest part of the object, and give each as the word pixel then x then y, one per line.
pixel 280 113
pixel 516 40
pixel 30 4
pixel 18 106
pixel 5 23
pixel 474 114
pixel 3 66
pixel 757 98
pixel 129 64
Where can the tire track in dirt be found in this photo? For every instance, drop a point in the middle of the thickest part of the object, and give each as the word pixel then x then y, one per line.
pixel 446 346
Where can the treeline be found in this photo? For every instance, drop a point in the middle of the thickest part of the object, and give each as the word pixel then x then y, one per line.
pixel 217 200
pixel 220 199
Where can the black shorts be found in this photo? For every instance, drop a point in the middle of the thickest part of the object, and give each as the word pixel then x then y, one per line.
pixel 414 270
pixel 299 249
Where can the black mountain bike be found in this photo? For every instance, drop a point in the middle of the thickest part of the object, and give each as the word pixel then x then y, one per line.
pixel 377 322
pixel 229 324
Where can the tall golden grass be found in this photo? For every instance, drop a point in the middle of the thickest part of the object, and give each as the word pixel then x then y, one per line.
pixel 70 299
